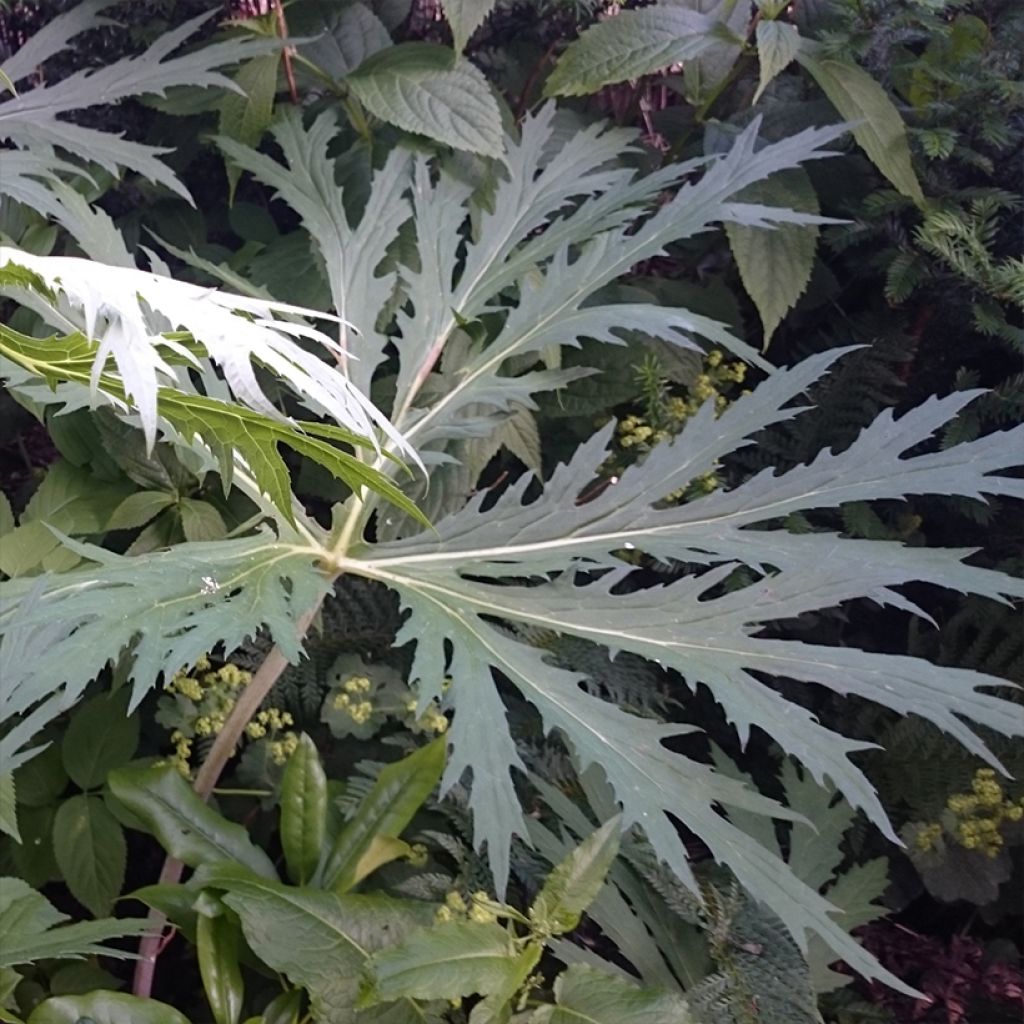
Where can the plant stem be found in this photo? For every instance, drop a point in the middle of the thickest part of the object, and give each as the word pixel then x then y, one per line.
pixel 209 773
pixel 289 71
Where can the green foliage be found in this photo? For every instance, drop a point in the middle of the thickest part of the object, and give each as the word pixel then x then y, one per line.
pixel 496 274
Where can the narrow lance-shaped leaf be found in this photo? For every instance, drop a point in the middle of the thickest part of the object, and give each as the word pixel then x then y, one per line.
pixel 876 123
pixel 303 811
pixel 183 824
pixel 399 792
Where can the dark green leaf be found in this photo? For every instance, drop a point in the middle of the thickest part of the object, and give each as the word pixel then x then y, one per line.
pixel 91 852
pixel 629 45
pixel 101 736
pixel 426 89
pixel 303 811
pixel 246 116
pixel 317 939
pixel 447 961
pixel 138 509
pixel 185 826
pixel 384 812
pixel 104 1008
pixel 585 995
pixel 201 521
pixel 775 263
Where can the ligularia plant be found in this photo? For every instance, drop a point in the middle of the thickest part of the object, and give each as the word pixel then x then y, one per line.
pixel 454 303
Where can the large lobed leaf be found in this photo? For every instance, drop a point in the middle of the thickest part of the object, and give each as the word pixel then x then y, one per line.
pixel 169 608
pixel 455 583
pixel 31 119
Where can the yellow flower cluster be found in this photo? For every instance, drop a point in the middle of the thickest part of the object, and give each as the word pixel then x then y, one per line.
pixel 282 749
pixel 976 819
pixel 982 812
pixel 668 416
pixel 271 720
pixel 360 711
pixel 481 908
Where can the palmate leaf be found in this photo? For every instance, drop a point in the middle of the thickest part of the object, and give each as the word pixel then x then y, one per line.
pixel 30 119
pixel 168 607
pixel 116 307
pixel 559 269
pixel 455 584
pixel 224 427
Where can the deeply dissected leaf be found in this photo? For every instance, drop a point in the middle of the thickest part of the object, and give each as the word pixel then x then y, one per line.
pixel 629 45
pixel 584 995
pixel 446 961
pixel 426 89
pixel 876 123
pixel 31 120
pixel 171 608
pixel 351 254
pixel 708 638
pixel 91 852
pixel 399 792
pixel 117 307
pixel 320 940
pixel 775 264
pixel 28 924
pixel 185 825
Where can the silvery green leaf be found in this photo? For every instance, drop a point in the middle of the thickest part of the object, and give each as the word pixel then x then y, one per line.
pixel 117 307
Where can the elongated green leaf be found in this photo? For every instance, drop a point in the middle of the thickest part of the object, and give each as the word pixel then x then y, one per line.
pixel 447 961
pixel 91 852
pixel 584 995
pixel 104 1008
pixel 629 45
pixel 8 806
pixel 426 89
pixel 245 117
pixel 777 45
pixel 576 881
pixel 876 123
pixel 465 17
pixel 27 923
pixel 320 940
pixel 775 263
pixel 303 811
pixel 183 824
pixel 217 941
pixel 399 792
pixel 100 737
